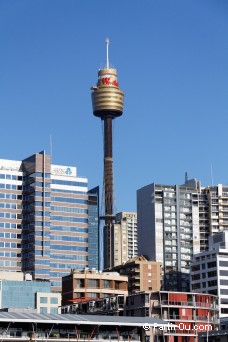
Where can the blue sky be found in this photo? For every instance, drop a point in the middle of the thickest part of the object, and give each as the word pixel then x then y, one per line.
pixel 172 62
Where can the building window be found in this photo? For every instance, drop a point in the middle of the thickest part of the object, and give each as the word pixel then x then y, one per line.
pixel 106 284
pixel 146 298
pixel 92 283
pixel 54 300
pixel 43 300
pixel 54 311
pixel 43 310
pixel 147 312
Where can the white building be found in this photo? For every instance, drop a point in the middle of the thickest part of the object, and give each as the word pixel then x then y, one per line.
pixel 209 270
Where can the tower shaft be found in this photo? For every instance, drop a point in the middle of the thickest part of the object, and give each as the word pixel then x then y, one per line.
pixel 108 170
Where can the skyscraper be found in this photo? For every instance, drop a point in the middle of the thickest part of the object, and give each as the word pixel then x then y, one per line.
pixel 93 229
pixel 175 222
pixel 43 218
pixel 168 230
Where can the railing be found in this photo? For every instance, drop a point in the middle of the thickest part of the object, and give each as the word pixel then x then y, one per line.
pixel 26 336
pixel 188 303
pixel 192 318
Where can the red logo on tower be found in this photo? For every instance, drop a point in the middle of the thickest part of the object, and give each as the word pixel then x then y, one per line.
pixel 109 81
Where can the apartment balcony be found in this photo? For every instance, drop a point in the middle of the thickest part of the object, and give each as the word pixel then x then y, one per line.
pixel 187 304
pixel 193 318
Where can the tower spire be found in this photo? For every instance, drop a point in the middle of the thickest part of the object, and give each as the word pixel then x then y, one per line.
pixel 107 58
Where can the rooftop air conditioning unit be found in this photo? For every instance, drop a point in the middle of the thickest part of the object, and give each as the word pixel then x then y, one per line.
pixel 74 307
pixel 92 303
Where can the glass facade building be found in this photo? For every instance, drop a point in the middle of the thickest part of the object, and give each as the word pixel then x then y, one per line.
pixel 93 229
pixel 43 218
pixel 21 294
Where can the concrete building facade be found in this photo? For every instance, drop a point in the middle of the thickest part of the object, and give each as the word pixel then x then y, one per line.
pixel 168 230
pixel 175 222
pixel 143 275
pixel 92 284
pixel 187 313
pixel 209 271
pixel 120 239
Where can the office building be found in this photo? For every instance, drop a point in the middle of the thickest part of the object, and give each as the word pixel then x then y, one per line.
pixel 209 271
pixel 43 218
pixel 93 229
pixel 143 274
pixel 92 284
pixel 29 295
pixel 120 239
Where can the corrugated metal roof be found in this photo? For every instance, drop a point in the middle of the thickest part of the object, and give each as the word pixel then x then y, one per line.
pixel 79 319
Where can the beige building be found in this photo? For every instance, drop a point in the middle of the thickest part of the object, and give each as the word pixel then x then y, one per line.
pixel 49 303
pixel 92 284
pixel 120 239
pixel 20 276
pixel 143 275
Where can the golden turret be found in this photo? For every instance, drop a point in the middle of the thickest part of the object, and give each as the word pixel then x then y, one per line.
pixel 107 98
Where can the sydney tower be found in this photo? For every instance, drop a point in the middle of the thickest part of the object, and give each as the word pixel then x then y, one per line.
pixel 107 101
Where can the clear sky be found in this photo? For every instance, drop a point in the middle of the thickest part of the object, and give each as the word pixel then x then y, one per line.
pixel 172 62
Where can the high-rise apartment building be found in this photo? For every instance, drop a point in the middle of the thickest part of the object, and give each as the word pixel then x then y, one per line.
pixel 217 198
pixel 129 220
pixel 168 230
pixel 175 222
pixel 120 239
pixel 43 218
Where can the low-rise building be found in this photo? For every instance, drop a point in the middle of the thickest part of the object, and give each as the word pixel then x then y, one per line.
pixel 187 313
pixel 143 274
pixel 65 328
pixel 29 295
pixel 92 284
pixel 112 306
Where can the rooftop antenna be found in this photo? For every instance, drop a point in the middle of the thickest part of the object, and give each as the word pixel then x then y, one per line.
pixel 186 177
pixel 51 146
pixel 107 59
